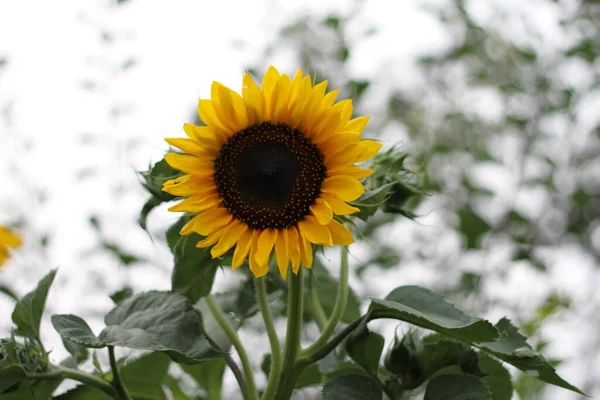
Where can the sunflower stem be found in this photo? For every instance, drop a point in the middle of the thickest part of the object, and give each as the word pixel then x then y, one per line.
pixel 295 311
pixel 314 305
pixel 265 310
pixel 336 313
pixel 251 393
pixel 117 381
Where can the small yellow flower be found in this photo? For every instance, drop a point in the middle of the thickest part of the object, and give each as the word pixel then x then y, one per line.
pixel 270 170
pixel 8 239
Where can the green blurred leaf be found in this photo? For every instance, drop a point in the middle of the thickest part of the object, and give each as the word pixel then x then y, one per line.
pixel 160 321
pixel 32 390
pixel 78 352
pixel 472 226
pixel 75 329
pixel 429 310
pixel 28 311
pixel 497 378
pixel 352 387
pixel 365 347
pixel 8 291
pixel 121 295
pixel 82 392
pixel 194 269
pixel 326 287
pixel 153 182
pixel 10 375
pixel 514 349
pixel 209 375
pixel 144 376
pixel 457 387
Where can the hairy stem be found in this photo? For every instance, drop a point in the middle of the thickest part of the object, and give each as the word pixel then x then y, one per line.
pixel 117 381
pixel 67 373
pixel 338 308
pixel 252 393
pixel 265 310
pixel 295 310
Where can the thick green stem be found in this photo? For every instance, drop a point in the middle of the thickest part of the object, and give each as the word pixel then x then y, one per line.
pixel 252 393
pixel 79 376
pixel 265 310
pixel 314 305
pixel 295 311
pixel 117 381
pixel 338 309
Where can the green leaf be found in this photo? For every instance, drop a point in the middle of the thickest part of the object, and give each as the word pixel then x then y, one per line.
pixel 369 202
pixel 121 295
pixel 365 347
pixel 429 310
pixel 472 226
pixel 194 269
pixel 32 391
pixel 82 392
pixel 497 378
pixel 514 349
pixel 209 375
pixel 75 329
pixel 28 311
pixel 78 353
pixel 10 375
pixel 457 387
pixel 160 321
pixel 157 176
pixel 144 376
pixel 352 387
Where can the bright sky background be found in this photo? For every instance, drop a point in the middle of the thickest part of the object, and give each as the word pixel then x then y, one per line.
pixel 61 138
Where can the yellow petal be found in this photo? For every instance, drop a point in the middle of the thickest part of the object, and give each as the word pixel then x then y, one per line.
pixel 189 164
pixel 281 253
pixel 229 106
pixel 192 147
pixel 306 254
pixel 338 206
pixel 265 244
pixel 370 147
pixel 231 236
pixel 208 114
pixel 268 85
pixel 189 185
pixel 258 269
pixel 340 234
pixel 353 171
pixel 211 239
pixel 242 248
pixel 279 99
pixel 253 98
pixel 344 187
pixel 322 211
pixel 357 124
pixel 204 134
pixel 293 247
pixel 197 203
pixel 211 220
pixel 315 232
pixel 9 238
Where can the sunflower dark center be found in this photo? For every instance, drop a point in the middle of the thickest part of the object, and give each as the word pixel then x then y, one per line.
pixel 269 175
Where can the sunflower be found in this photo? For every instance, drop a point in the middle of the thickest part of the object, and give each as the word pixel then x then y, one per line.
pixel 8 239
pixel 271 170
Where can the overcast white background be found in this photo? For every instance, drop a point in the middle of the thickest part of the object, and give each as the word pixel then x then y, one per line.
pixel 76 126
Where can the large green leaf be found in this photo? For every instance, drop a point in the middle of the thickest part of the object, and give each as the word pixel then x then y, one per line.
pixel 457 387
pixel 352 387
pixel 144 376
pixel 10 375
pixel 429 310
pixel 82 392
pixel 514 349
pixel 326 287
pixel 497 378
pixel 194 269
pixel 28 311
pixel 365 348
pixel 76 330
pixel 32 390
pixel 209 375
pixel 160 321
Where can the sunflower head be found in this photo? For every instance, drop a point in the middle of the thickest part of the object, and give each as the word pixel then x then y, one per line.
pixel 270 170
pixel 8 240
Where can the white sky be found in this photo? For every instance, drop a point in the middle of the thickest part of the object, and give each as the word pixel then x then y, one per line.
pixel 180 47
